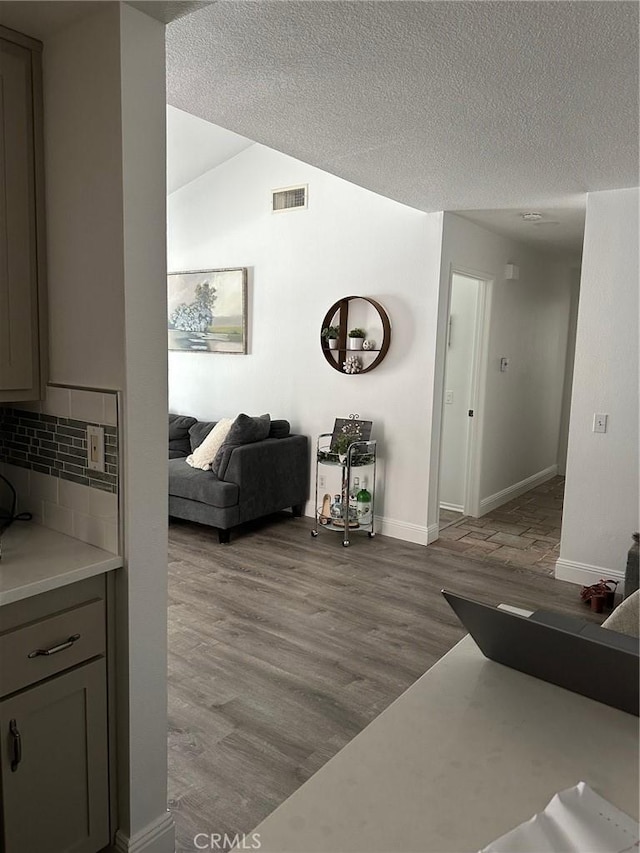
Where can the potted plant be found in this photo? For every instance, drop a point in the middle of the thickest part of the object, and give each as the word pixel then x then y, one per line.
pixel 356 338
pixel 330 335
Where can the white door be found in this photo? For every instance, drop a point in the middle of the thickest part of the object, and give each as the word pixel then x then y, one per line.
pixel 458 392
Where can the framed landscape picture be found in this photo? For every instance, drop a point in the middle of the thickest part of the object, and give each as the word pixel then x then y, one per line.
pixel 208 310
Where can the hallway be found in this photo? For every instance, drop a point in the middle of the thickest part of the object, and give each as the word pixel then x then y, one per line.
pixel 524 532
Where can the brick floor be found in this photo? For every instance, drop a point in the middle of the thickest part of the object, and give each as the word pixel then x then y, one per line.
pixel 524 533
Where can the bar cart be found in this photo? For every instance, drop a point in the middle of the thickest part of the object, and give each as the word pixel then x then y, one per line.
pixel 353 477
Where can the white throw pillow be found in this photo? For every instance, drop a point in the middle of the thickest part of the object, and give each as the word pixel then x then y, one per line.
pixel 205 453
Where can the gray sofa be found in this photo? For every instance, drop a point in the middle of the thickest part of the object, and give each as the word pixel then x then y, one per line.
pixel 255 479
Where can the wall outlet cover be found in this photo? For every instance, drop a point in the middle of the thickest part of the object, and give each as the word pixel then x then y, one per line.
pixel 95 447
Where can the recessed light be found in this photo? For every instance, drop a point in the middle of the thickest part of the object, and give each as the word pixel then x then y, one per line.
pixel 532 217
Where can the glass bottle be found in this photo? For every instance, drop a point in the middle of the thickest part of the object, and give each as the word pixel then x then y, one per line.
pixel 363 500
pixel 336 507
pixel 353 498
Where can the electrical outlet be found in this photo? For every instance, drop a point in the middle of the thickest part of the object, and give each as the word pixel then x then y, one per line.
pixel 322 481
pixel 600 423
pixel 95 447
pixel 448 396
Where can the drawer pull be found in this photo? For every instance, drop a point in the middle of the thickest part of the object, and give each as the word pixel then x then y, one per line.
pixel 16 742
pixel 55 649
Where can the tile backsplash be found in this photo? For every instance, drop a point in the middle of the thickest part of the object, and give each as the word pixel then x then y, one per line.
pixel 43 453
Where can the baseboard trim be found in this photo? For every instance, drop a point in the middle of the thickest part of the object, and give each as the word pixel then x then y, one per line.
pixel 452 507
pixel 511 492
pixel 157 837
pixel 585 575
pixel 433 533
pixel 404 530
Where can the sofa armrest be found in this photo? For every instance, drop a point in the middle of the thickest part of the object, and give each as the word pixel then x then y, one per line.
pixel 271 475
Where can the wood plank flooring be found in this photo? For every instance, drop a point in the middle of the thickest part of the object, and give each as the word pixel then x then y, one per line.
pixel 283 647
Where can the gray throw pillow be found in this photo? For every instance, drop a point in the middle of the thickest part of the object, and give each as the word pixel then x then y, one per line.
pixel 279 429
pixel 244 430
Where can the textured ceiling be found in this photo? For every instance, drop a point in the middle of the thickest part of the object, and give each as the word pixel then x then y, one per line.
pixel 168 11
pixel 195 146
pixel 559 230
pixel 440 105
pixel 42 18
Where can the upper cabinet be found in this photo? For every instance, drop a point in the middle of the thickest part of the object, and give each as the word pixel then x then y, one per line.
pixel 23 344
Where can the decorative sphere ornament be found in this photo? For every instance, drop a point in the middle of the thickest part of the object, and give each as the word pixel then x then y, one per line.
pixel 369 344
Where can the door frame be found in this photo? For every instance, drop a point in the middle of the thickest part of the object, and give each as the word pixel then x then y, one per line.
pixel 478 385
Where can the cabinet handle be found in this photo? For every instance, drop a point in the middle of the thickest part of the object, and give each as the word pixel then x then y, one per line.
pixel 16 742
pixel 55 649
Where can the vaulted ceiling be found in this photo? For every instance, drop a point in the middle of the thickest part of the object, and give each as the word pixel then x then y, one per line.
pixel 440 105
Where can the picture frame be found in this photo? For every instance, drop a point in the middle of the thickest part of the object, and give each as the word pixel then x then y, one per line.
pixel 207 311
pixel 348 430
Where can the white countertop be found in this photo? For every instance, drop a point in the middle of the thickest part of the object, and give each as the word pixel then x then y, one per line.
pixel 36 559
pixel 468 752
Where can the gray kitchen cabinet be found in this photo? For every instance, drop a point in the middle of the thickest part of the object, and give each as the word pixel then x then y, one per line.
pixel 23 344
pixel 54 735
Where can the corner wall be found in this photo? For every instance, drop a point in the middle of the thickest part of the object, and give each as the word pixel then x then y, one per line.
pixel 349 241
pixel 105 111
pixel 601 498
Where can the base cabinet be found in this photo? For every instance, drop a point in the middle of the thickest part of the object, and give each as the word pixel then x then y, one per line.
pixel 54 764
pixel 54 722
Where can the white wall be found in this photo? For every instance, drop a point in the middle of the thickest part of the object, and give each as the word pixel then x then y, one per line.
pixel 105 159
pixel 601 500
pixel 519 411
pixel 574 278
pixel 349 241
pixel 458 382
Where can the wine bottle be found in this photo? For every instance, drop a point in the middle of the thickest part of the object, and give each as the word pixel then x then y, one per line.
pixel 363 500
pixel 353 497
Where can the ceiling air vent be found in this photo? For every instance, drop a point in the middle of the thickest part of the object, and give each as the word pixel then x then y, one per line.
pixel 289 198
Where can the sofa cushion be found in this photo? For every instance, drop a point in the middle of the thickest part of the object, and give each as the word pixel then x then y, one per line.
pixel 179 449
pixel 244 430
pixel 201 486
pixel 279 429
pixel 199 431
pixel 179 435
pixel 179 426
pixel 205 452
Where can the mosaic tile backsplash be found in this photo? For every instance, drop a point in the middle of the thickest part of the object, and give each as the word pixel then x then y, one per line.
pixel 56 446
pixel 43 454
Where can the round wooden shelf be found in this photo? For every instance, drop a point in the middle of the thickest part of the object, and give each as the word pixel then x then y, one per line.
pixel 341 307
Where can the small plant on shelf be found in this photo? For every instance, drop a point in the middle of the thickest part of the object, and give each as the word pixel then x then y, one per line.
pixel 330 334
pixel 356 338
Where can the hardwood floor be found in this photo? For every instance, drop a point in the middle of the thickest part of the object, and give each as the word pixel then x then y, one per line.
pixel 283 647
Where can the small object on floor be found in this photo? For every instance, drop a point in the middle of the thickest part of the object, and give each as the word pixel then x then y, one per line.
pixel 600 595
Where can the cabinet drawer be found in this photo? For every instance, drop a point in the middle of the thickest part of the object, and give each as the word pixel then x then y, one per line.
pixel 70 637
